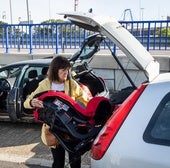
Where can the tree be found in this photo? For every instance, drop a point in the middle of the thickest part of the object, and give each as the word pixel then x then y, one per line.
pixel 165 31
pixel 2 22
pixel 1 26
pixel 46 29
pixel 52 21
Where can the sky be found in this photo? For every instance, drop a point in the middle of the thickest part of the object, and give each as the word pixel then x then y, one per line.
pixel 41 10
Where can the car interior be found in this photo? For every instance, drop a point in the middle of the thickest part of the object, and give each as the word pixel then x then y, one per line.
pixel 85 76
pixel 31 83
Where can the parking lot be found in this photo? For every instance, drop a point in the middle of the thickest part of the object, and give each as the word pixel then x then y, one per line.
pixel 21 143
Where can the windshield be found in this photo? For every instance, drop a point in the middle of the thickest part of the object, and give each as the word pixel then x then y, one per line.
pixel 89 47
pixel 86 51
pixel 3 74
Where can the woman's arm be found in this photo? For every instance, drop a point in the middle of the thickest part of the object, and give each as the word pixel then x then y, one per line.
pixel 32 102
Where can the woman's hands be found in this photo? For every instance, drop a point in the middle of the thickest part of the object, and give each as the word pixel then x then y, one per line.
pixel 36 103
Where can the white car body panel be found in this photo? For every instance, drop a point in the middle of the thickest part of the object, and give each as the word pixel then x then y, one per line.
pixel 122 38
pixel 128 149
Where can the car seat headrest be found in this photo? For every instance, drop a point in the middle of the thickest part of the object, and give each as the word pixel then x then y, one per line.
pixel 44 71
pixel 32 74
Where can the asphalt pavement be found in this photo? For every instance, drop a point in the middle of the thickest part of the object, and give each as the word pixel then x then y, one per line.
pixel 20 143
pixel 6 164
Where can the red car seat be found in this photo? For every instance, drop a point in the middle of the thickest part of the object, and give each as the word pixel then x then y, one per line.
pixel 66 116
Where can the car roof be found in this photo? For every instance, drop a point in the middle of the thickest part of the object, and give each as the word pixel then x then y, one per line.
pixel 34 61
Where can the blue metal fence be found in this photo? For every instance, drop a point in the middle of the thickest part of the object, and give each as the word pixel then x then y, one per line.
pixel 154 35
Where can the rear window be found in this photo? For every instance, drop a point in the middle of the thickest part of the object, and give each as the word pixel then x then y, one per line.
pixel 158 129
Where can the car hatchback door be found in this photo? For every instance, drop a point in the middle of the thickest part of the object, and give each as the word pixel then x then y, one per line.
pixel 115 32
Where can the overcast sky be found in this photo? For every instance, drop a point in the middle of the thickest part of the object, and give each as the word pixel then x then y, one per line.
pixel 40 10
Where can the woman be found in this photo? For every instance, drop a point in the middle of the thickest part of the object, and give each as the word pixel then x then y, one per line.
pixel 58 80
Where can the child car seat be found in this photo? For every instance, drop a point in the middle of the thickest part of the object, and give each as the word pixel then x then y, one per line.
pixel 74 126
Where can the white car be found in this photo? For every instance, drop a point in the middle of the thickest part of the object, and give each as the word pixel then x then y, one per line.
pixel 137 134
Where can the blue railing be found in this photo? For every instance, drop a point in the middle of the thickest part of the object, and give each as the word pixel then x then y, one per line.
pixel 154 35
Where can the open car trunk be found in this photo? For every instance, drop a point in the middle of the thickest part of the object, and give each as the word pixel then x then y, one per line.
pixel 121 37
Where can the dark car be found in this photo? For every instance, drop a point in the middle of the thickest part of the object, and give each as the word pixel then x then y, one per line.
pixel 15 80
pixel 19 79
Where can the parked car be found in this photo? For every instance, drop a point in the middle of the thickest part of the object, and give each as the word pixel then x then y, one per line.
pixel 19 79
pixel 138 132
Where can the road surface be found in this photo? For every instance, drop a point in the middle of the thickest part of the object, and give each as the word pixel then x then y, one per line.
pixel 21 143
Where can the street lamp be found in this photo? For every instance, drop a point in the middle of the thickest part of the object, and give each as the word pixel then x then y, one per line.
pixel 10 4
pixel 75 5
pixel 140 16
pixel 28 17
pixel 49 11
pixel 141 13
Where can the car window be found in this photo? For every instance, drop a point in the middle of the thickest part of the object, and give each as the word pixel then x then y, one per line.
pixel 31 79
pixel 10 74
pixel 3 74
pixel 158 129
pixel 39 71
pixel 86 51
pixel 14 72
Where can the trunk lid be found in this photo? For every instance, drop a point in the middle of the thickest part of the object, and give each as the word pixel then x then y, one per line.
pixel 120 36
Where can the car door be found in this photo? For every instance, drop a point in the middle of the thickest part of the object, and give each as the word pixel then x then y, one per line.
pixel 10 75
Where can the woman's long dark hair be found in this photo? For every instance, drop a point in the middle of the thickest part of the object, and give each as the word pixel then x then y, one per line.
pixel 59 62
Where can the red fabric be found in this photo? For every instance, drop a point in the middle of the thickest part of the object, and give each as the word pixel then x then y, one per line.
pixel 35 113
pixel 93 104
pixel 89 111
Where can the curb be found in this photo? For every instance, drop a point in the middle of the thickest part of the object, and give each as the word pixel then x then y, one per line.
pixel 30 161
pixel 26 160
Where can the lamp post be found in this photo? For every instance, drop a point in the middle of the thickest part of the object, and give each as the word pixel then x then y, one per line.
pixel 75 5
pixel 49 11
pixel 10 4
pixel 140 16
pixel 28 17
pixel 141 13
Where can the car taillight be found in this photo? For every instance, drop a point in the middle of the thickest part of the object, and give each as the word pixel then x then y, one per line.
pixel 110 129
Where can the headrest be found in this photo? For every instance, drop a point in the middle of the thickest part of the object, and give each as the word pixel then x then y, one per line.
pixel 44 71
pixel 32 74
